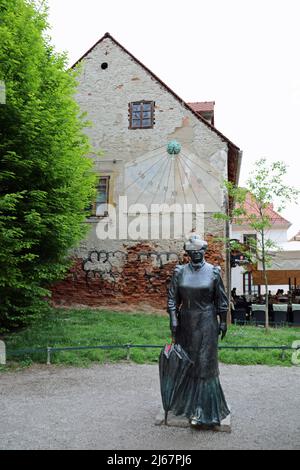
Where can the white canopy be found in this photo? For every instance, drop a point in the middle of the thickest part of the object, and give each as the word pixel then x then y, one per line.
pixel 285 266
pixel 284 260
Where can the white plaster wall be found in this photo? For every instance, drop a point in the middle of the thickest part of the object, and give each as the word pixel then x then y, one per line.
pixel 278 235
pixel 104 95
pixel 237 279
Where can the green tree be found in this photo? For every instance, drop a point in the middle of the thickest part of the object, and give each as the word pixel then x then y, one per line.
pixel 46 180
pixel 265 186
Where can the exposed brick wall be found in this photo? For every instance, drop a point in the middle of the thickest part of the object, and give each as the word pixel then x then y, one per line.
pixel 142 278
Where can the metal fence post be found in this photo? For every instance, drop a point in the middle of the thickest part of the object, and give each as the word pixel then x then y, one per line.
pixel 128 352
pixel 48 356
pixel 2 353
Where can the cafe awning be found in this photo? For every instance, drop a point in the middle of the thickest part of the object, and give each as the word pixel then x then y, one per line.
pixel 284 270
pixel 280 278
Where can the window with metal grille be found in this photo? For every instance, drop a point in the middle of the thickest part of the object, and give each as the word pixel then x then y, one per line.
pixel 250 239
pixel 102 197
pixel 141 115
pixel 248 286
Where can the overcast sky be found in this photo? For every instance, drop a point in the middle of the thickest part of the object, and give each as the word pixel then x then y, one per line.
pixel 242 54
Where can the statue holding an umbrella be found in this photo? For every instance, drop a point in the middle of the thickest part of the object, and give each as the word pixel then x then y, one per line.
pixel 196 298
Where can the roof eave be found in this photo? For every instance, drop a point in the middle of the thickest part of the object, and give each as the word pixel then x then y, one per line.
pixel 199 117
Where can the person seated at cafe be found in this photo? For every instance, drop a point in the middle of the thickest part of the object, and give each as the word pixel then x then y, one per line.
pixel 233 293
pixel 260 299
pixel 241 303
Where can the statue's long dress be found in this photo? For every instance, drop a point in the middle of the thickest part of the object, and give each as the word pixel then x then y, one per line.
pixel 198 296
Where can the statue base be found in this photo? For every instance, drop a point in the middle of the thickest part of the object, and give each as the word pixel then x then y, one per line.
pixel 183 422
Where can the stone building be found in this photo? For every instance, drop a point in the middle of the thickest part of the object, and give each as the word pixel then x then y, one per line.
pixel 150 148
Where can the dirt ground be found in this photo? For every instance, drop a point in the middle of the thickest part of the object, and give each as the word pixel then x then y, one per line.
pixel 114 406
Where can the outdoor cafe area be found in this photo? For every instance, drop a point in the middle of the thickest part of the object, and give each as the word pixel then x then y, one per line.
pixel 283 280
pixel 283 305
pixel 282 310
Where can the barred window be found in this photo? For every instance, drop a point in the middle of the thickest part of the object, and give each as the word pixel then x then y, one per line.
pixel 141 115
pixel 102 196
pixel 250 240
pixel 248 287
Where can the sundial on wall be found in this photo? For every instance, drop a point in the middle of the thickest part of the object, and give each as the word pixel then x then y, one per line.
pixel 171 175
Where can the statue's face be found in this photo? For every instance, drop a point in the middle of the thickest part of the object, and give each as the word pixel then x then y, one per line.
pixel 196 255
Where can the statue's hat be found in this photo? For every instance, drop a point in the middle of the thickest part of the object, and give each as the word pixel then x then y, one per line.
pixel 195 243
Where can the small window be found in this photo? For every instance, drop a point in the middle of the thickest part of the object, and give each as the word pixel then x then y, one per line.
pixel 248 287
pixel 102 197
pixel 141 115
pixel 250 240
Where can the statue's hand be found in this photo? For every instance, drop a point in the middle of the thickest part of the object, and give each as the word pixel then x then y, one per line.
pixel 222 330
pixel 173 332
pixel 173 326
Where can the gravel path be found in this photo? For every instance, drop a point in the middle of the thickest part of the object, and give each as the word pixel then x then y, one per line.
pixel 114 407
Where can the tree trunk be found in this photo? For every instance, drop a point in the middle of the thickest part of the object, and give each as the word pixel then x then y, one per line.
pixel 266 279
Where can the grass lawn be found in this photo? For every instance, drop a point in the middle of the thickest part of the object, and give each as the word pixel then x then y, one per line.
pixel 90 327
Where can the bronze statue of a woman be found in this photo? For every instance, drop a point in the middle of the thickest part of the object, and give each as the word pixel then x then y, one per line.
pixel 196 298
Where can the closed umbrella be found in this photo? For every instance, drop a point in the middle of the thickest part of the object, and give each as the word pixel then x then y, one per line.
pixel 174 364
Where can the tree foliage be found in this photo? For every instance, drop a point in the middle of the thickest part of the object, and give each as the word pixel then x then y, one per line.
pixel 46 180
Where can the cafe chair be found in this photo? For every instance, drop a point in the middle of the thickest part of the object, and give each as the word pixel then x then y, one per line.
pixel 258 314
pixel 280 313
pixel 239 316
pixel 296 314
